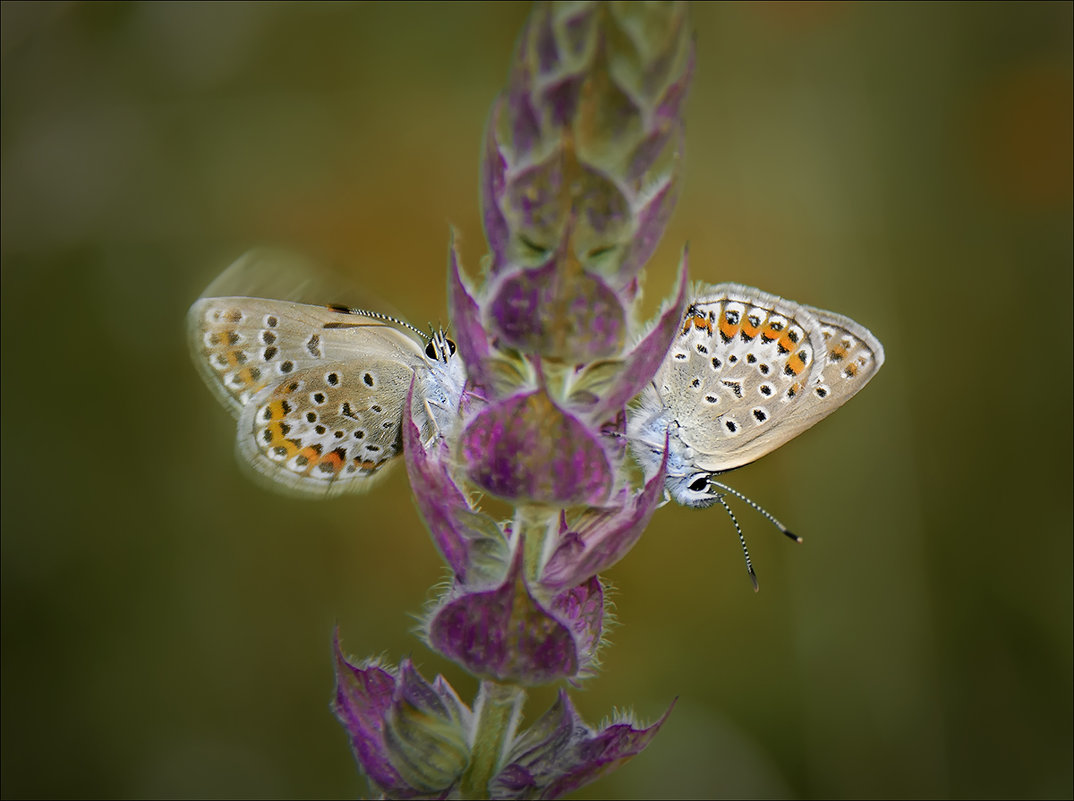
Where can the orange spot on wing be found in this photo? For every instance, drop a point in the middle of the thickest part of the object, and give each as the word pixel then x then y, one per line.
pixel 727 328
pixel 697 321
pixel 796 364
pixel 246 376
pixel 851 370
pixel 276 410
pixel 838 352
pixel 749 330
pixel 334 459
pixel 279 440
pixel 770 333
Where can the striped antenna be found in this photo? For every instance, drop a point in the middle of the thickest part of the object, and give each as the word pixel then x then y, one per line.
pixel 378 316
pixel 742 539
pixel 768 515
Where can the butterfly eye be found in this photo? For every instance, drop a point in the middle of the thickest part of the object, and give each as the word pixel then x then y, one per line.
pixel 430 350
pixel 700 483
pixel 451 347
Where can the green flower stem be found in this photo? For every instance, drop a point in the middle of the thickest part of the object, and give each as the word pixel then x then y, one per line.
pixel 497 710
pixel 533 523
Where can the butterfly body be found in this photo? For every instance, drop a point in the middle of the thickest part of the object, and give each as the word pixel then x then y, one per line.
pixel 319 391
pixel 747 372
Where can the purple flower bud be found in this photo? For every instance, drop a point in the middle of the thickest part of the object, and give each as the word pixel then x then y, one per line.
pixel 642 362
pixel 411 738
pixel 598 538
pixel 582 609
pixel 470 542
pixel 559 311
pixel 493 186
pixel 363 698
pixel 470 336
pixel 559 753
pixel 580 173
pixel 425 732
pixel 652 215
pixel 506 635
pixel 527 448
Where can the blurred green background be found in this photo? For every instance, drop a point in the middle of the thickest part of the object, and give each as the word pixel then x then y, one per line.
pixel 167 624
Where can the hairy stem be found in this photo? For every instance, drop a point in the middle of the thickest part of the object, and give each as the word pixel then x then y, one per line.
pixel 496 712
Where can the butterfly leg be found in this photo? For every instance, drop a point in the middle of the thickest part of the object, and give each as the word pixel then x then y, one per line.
pixel 434 411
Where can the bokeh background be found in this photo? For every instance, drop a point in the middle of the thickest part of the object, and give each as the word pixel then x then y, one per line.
pixel 167 624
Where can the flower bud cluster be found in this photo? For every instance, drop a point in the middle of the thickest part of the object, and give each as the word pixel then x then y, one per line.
pixel 580 173
pixel 413 738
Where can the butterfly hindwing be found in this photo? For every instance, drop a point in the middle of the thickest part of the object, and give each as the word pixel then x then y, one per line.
pixel 328 429
pixel 848 357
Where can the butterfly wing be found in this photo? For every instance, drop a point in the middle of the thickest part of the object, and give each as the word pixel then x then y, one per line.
pixel 318 391
pixel 328 429
pixel 847 358
pixel 750 371
pixel 243 345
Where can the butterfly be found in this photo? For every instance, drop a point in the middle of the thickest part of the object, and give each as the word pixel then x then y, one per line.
pixel 319 391
pixel 747 372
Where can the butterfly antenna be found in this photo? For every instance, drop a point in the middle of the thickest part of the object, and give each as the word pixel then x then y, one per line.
pixel 378 316
pixel 742 539
pixel 764 512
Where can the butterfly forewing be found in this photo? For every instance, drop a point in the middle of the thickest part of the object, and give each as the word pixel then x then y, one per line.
pixel 243 345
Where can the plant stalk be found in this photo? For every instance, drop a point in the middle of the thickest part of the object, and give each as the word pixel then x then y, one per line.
pixel 496 716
